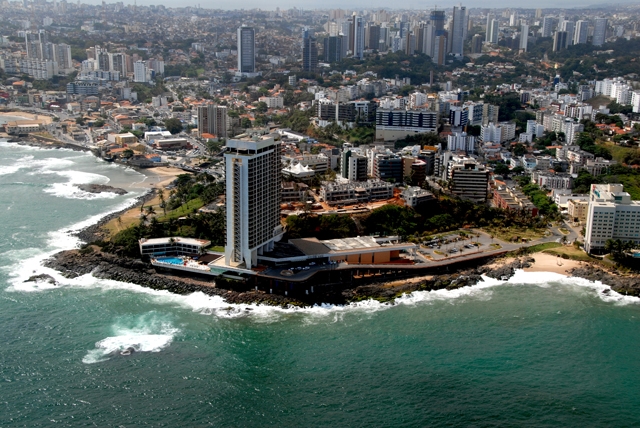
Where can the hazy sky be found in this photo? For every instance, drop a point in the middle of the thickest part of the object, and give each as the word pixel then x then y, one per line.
pixel 359 4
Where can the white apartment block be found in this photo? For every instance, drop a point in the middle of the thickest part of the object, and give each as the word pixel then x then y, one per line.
pixel 272 102
pixel 491 133
pixel 552 181
pixel 252 197
pixel 611 215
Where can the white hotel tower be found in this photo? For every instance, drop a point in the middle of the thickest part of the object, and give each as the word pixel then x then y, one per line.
pixel 253 169
pixel 612 215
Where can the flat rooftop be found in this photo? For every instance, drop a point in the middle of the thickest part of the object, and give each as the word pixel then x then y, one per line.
pixel 176 240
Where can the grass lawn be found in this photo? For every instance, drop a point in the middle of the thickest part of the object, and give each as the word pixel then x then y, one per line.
pixel 216 248
pixel 183 210
pixel 570 251
pixel 495 246
pixel 508 234
pixel 543 247
pixel 564 231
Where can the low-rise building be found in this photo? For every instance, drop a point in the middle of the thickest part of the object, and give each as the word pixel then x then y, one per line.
pixel 293 192
pixel 171 246
pixel 172 144
pixel 577 210
pixel 552 180
pixel 469 179
pixel 355 192
pixel 414 196
pixel 513 199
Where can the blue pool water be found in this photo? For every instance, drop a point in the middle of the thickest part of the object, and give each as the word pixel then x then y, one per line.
pixel 171 260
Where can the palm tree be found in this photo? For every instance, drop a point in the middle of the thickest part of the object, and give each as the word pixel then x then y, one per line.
pixel 150 210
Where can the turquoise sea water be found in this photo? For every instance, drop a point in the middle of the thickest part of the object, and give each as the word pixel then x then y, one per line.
pixel 537 351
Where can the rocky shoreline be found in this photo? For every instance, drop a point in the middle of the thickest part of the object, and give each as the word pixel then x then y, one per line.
pixel 101 188
pixel 33 142
pixel 95 233
pixel 91 260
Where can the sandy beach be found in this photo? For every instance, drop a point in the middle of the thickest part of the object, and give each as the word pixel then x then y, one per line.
pixel 158 178
pixel 543 263
pixel 27 116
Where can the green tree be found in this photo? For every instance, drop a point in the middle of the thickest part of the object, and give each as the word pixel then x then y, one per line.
pixel 173 125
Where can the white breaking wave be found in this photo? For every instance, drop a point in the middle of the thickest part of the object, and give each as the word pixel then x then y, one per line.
pixel 71 191
pixel 147 333
pixel 28 261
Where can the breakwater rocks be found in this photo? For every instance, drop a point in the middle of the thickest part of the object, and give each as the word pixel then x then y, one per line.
pixel 467 277
pixel 507 270
pixel 43 277
pixel 74 263
pixel 101 188
pixel 49 144
pixel 627 285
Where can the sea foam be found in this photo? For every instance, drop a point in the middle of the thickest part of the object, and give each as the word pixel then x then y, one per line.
pixel 150 332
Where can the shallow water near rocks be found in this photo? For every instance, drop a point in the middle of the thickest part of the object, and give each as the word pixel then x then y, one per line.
pixel 539 350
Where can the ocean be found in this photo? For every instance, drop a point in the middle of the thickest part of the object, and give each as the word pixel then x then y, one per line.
pixel 538 350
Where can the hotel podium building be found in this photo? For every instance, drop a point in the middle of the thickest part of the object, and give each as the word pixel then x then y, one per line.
pixel 253 170
pixel 611 215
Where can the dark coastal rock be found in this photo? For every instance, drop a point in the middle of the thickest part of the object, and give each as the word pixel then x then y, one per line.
pixel 43 277
pixel 101 188
pixel 74 263
pixel 627 285
pixel 507 270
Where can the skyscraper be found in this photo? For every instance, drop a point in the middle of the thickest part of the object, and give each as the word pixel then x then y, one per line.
pixel 581 32
pixel 599 31
pixel 548 25
pixel 356 37
pixel 559 40
pixel 309 52
pixel 212 119
pixel 476 44
pixel 439 50
pixel 569 28
pixel 373 37
pixel 437 19
pixel 493 31
pixel 333 46
pixel 253 199
pixel 246 50
pixel 524 37
pixel 458 32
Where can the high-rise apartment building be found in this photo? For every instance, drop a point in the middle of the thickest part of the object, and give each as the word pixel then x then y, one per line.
pixel 493 31
pixel 439 49
pixel 559 40
pixel 253 169
pixel 458 33
pixel 599 31
pixel 548 25
pixel 118 62
pixel 569 28
pixel 524 37
pixel 333 48
pixel 611 215
pixel 246 50
pixel 213 119
pixel 373 37
pixel 140 72
pixel 309 51
pixel 581 32
pixel 356 36
pixel 476 44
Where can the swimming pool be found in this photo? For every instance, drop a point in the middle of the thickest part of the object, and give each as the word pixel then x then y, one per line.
pixel 171 260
